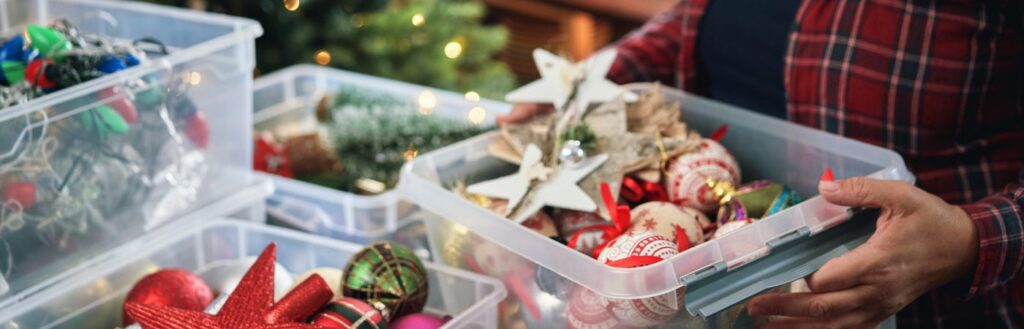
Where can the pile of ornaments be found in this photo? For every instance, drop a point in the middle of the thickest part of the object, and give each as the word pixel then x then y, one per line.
pixel 659 184
pixel 383 286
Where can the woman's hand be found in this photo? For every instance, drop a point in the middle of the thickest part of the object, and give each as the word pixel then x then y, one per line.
pixel 920 243
pixel 522 112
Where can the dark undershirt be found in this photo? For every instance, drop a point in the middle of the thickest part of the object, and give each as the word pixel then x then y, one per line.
pixel 742 46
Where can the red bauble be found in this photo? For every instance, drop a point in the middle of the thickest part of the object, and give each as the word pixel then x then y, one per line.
pixel 122 104
pixel 197 129
pixel 22 192
pixel 36 75
pixel 171 287
pixel 270 157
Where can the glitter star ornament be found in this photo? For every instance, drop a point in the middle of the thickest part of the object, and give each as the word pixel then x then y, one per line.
pixel 250 306
pixel 559 190
pixel 563 82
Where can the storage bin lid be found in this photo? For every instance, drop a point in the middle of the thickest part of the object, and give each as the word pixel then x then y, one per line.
pixel 37 251
pixel 766 148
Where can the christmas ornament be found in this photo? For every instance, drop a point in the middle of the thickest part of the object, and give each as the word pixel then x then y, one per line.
pixel 13 50
pixel 390 274
pixel 636 249
pixel 197 129
pixel 756 200
pixel 270 157
pixel 350 313
pixel 22 193
pixel 571 221
pixel 542 223
pixel 122 104
pixel 13 73
pixel 588 310
pixel 553 284
pixel 224 276
pixel 105 121
pixel 250 306
pixel 572 153
pixel 581 133
pixel 418 321
pixel 565 84
pixel 591 240
pixel 175 288
pixel 110 64
pixel 49 42
pixel 331 275
pixel 729 227
pixel 688 173
pixel 637 191
pixel 35 73
pixel 665 219
pixel 559 190
pixel 645 312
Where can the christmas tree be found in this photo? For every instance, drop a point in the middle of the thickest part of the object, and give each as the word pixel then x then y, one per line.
pixel 439 43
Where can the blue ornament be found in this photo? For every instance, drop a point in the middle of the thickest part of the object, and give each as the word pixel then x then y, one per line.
pixel 13 49
pixel 131 60
pixel 110 64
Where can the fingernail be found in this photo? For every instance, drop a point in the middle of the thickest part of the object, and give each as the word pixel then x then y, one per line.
pixel 828 186
pixel 827 175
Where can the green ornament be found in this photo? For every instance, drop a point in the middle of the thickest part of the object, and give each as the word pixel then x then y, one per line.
pixel 150 97
pixel 106 120
pixel 49 42
pixel 390 274
pixel 14 72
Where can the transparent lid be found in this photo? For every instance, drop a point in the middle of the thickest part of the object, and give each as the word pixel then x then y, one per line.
pixel 88 168
pixel 766 148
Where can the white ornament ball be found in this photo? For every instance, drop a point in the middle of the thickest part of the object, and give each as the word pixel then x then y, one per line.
pixel 663 218
pixel 686 181
pixel 588 310
pixel 638 243
pixel 646 312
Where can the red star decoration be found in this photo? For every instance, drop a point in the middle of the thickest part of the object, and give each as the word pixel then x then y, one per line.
pixel 649 224
pixel 251 305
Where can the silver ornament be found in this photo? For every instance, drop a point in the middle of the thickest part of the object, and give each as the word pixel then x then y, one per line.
pixel 572 153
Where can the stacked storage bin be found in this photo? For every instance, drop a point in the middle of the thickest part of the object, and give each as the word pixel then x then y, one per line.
pixel 709 278
pixel 285 103
pixel 77 275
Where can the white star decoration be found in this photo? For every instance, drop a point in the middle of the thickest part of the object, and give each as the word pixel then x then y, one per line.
pixel 558 77
pixel 559 190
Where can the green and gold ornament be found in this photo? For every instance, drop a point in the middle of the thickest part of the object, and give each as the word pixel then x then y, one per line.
pixel 753 201
pixel 389 274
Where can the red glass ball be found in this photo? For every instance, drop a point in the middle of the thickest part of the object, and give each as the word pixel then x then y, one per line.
pixel 171 287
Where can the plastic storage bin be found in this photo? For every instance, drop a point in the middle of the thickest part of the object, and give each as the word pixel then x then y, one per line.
pixel 285 103
pixel 94 299
pixel 713 276
pixel 210 63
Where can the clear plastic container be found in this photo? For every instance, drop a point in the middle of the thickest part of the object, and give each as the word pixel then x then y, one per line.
pixel 209 63
pixel 766 148
pixel 285 104
pixel 94 299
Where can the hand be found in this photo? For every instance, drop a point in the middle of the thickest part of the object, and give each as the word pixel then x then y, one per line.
pixel 920 243
pixel 522 112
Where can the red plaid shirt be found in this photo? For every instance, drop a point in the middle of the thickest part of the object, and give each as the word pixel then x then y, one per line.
pixel 940 82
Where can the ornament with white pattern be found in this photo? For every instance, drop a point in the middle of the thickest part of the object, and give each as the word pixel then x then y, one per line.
pixel 588 310
pixel 664 218
pixel 646 312
pixel 686 182
pixel 637 248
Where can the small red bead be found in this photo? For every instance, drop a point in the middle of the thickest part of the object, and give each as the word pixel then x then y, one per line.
pixel 22 192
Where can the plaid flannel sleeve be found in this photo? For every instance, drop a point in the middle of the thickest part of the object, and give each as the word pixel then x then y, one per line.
pixel 1000 222
pixel 652 52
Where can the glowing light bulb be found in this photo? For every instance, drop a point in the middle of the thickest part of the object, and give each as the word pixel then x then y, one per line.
pixel 323 57
pixel 477 115
pixel 453 50
pixel 195 78
pixel 427 101
pixel 418 20
pixel 472 96
pixel 292 5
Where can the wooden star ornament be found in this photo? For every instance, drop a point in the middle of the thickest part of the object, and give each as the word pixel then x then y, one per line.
pixel 251 305
pixel 563 82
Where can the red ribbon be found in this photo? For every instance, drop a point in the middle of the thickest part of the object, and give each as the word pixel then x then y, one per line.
pixel 619 213
pixel 638 191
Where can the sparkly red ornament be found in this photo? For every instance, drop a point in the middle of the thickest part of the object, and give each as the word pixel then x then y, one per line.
pixel 171 288
pixel 122 104
pixel 197 129
pixel 21 192
pixel 271 157
pixel 250 306
pixel 35 73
